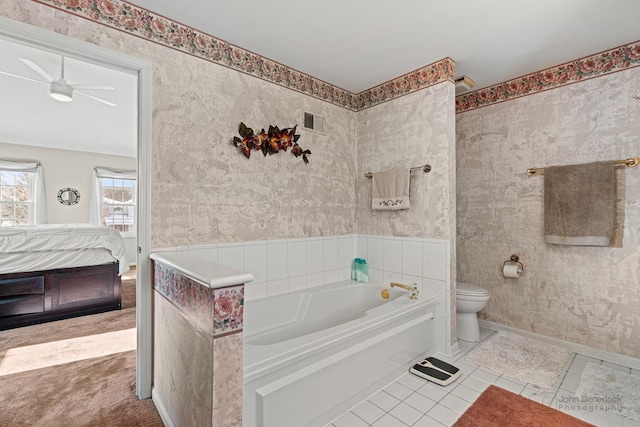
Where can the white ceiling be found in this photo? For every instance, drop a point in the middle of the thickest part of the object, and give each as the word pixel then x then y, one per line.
pixel 353 44
pixel 29 116
pixel 357 44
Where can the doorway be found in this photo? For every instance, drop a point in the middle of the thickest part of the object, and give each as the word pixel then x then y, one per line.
pixel 42 39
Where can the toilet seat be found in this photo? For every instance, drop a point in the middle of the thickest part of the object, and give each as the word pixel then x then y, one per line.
pixel 467 289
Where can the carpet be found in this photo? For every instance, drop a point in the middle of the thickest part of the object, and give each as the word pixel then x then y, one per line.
pixel 497 407
pixel 128 293
pixel 525 359
pixel 82 326
pixel 96 391
pixel 606 388
pixel 92 392
pixel 38 356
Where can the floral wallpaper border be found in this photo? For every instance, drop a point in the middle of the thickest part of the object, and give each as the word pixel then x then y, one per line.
pixel 429 75
pixel 228 310
pixel 607 62
pixel 221 309
pixel 190 296
pixel 142 23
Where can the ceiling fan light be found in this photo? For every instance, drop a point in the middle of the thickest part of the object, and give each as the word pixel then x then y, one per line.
pixel 61 92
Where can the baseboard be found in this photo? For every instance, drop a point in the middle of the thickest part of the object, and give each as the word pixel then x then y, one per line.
pixel 619 359
pixel 455 349
pixel 162 410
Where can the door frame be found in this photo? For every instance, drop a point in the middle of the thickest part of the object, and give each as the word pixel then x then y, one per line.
pixel 44 39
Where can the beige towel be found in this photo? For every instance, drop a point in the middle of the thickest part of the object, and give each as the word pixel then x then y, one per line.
pixel 579 204
pixel 390 190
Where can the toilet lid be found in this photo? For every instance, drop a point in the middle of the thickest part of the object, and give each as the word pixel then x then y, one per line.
pixel 469 289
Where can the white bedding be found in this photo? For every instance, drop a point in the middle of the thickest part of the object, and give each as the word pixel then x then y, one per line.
pixel 45 247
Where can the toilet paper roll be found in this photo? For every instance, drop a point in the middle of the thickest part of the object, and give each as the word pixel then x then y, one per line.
pixel 511 270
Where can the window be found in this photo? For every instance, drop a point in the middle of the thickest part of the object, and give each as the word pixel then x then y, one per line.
pixel 23 199
pixel 113 200
pixel 16 197
pixel 119 204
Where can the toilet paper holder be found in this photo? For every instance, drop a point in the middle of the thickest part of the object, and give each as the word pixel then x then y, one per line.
pixel 515 260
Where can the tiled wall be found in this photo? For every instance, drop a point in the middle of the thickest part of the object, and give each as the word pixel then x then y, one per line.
pixel 286 265
pixel 281 266
pixel 408 260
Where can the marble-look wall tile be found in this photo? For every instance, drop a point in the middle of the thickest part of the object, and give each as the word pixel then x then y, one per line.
pixel 414 130
pixel 227 384
pixel 587 295
pixel 183 366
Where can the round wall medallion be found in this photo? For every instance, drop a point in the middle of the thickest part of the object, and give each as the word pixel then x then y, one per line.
pixel 68 196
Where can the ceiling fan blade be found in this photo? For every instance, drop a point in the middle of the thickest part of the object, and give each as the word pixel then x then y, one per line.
pixel 23 77
pixel 95 98
pixel 91 87
pixel 37 69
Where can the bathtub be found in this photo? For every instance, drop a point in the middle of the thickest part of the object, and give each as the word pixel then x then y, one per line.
pixel 310 355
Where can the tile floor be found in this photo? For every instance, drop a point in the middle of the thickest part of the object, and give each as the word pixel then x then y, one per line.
pixel 412 401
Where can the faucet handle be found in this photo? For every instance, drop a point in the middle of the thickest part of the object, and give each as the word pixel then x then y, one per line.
pixel 413 294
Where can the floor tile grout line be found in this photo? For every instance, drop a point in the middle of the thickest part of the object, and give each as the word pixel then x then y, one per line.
pixel 556 389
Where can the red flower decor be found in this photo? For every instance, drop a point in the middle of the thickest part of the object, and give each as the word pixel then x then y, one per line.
pixel 270 142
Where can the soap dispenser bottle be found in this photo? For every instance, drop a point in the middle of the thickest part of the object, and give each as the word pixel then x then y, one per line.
pixel 354 268
pixel 363 271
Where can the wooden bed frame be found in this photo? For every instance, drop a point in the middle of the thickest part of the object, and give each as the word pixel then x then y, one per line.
pixel 43 296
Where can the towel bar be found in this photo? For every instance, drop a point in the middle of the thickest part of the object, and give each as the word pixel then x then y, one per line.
pixel 631 162
pixel 425 169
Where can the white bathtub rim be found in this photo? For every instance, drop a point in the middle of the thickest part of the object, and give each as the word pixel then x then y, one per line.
pixel 369 315
pixel 268 358
pixel 305 296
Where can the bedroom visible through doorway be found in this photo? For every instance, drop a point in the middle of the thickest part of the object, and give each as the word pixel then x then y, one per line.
pixel 107 127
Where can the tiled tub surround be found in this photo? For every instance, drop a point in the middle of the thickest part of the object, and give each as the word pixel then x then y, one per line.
pixel 425 262
pixel 586 295
pixel 288 265
pixel 312 353
pixel 197 346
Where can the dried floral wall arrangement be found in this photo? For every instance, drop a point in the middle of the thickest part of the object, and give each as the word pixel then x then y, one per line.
pixel 271 142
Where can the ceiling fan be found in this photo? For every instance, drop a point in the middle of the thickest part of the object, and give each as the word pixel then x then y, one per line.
pixel 59 89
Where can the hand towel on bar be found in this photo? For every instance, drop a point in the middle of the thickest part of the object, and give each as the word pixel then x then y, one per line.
pixel 579 204
pixel 390 190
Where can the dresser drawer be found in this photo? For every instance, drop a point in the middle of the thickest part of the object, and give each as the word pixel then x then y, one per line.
pixel 22 286
pixel 28 304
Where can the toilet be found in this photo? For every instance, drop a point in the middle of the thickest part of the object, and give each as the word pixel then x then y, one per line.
pixel 470 299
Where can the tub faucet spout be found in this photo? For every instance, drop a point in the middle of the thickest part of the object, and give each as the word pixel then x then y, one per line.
pixel 413 290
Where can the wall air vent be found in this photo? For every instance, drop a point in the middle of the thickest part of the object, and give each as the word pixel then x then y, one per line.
pixel 313 123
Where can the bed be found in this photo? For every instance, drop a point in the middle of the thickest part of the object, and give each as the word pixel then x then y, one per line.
pixel 56 271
